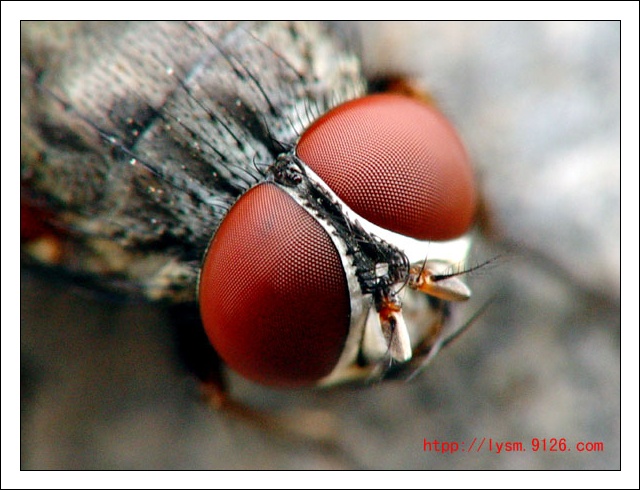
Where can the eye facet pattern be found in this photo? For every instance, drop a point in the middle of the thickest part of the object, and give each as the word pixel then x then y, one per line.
pixel 273 294
pixel 397 162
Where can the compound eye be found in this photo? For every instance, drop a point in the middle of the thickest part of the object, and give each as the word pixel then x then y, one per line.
pixel 397 162
pixel 273 293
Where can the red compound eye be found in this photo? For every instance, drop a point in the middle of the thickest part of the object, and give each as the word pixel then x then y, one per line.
pixel 397 162
pixel 273 293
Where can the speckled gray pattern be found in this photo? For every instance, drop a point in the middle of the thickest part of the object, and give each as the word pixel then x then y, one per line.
pixel 538 106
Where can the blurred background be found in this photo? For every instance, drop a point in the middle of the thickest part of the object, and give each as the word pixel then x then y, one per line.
pixel 538 105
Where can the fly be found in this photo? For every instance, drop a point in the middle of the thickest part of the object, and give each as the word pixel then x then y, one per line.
pixel 241 173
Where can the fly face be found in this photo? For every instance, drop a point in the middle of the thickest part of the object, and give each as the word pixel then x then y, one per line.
pixel 249 156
